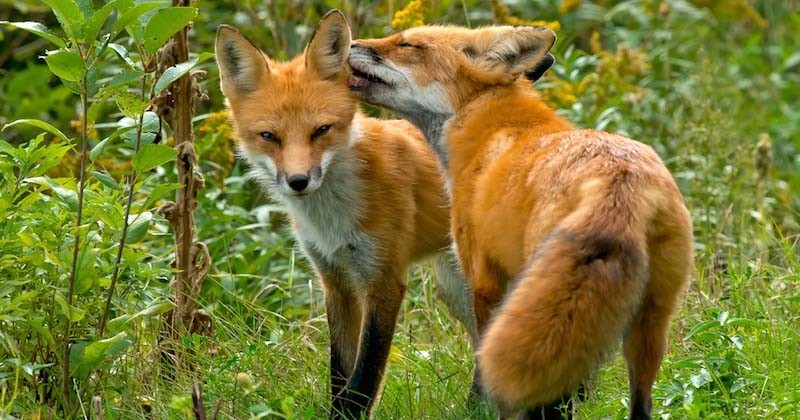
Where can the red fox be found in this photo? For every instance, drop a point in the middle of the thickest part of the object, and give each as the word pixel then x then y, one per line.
pixel 365 196
pixel 584 232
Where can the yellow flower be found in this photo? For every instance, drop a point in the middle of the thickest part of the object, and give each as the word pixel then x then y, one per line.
pixel 214 143
pixel 502 15
pixel 568 6
pixel 410 16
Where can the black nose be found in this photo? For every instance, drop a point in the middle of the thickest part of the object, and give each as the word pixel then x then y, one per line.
pixel 298 182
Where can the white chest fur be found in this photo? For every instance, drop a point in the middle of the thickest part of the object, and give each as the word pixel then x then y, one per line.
pixel 328 220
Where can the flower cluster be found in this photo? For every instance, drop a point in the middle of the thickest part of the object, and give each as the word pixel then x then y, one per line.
pixel 410 16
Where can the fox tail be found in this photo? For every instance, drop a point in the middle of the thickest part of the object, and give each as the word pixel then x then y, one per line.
pixel 569 308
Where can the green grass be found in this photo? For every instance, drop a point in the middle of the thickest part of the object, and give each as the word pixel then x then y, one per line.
pixel 715 95
pixel 733 354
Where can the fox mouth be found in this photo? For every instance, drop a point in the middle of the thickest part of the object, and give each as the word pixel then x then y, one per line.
pixel 361 79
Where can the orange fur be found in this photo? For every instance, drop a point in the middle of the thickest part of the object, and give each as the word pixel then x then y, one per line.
pixel 586 229
pixel 377 202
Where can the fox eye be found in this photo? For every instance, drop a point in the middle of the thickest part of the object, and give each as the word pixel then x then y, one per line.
pixel 266 135
pixel 320 131
pixel 407 45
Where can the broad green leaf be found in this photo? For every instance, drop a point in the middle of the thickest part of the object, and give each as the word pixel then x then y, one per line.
pixel 38 29
pixel 123 54
pixel 94 353
pixel 175 72
pixel 156 309
pixel 124 78
pixel 703 326
pixel 152 310
pixel 72 313
pixel 66 196
pixel 131 15
pixel 68 14
pixel 130 104
pixel 40 124
pixel 165 23
pixel 153 155
pixel 138 229
pixel 6 147
pixel 97 150
pixel 66 64
pixel 151 125
pixel 92 26
pixel 75 352
pixel 106 179
pixel 159 192
pixel 118 323
pixel 85 272
pixel 32 368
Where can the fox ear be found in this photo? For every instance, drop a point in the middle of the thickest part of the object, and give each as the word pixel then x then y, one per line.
pixel 329 47
pixel 503 53
pixel 241 64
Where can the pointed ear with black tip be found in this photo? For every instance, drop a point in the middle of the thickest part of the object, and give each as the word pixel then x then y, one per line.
pixel 503 53
pixel 537 72
pixel 242 66
pixel 329 47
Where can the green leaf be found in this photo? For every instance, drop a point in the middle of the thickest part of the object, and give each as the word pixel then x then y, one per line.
pixel 703 326
pixel 124 78
pixel 92 26
pixel 130 104
pixel 37 325
pixel 40 124
pixel 6 147
pixel 66 64
pixel 85 272
pixel 38 29
pixel 132 14
pixel 156 309
pixel 106 179
pixel 159 192
pixel 94 353
pixel 72 313
pixel 175 72
pixel 68 14
pixel 151 125
pixel 153 310
pixel 165 23
pixel 123 54
pixel 66 196
pixel 153 155
pixel 138 229
pixel 98 149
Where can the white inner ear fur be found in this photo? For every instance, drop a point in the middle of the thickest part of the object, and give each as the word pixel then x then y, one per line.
pixel 329 48
pixel 240 63
pixel 516 49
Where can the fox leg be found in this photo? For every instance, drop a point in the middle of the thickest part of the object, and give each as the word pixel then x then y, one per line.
pixel 344 313
pixel 383 300
pixel 646 341
pixel 644 349
pixel 486 284
pixel 452 288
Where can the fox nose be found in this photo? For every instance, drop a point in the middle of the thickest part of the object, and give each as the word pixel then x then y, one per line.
pixel 298 182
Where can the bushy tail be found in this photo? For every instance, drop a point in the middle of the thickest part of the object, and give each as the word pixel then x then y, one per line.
pixel 568 309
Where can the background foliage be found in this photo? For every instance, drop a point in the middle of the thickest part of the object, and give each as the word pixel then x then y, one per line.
pixel 711 85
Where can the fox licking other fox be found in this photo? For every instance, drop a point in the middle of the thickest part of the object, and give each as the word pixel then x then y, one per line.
pixel 571 240
pixel 365 196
